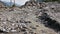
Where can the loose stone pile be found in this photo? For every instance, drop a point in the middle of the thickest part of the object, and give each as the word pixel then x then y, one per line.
pixel 27 18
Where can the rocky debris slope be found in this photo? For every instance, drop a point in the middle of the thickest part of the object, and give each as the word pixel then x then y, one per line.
pixel 31 18
pixel 2 4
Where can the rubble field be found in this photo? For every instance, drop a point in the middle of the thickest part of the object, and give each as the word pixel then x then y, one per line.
pixel 31 18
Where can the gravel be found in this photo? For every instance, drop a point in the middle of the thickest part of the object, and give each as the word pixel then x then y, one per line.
pixel 27 19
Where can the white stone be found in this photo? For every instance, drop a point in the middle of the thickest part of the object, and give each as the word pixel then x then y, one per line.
pixel 4 29
pixel 13 30
pixel 4 22
pixel 13 24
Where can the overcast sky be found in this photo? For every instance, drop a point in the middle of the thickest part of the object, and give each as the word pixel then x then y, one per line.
pixel 20 2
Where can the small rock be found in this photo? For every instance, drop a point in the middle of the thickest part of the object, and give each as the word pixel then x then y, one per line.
pixel 13 30
pixel 32 27
pixel 37 25
pixel 28 22
pixel 25 32
pixel 4 22
pixel 31 32
pixel 4 29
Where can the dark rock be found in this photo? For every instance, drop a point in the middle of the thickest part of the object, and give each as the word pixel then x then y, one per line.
pixel 17 22
pixel 28 21
pixel 35 33
pixel 53 24
pixel 23 29
pixel 37 25
pixel 25 32
pixel 31 32
pixel 1 31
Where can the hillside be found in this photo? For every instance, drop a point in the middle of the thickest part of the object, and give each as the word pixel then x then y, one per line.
pixel 2 4
pixel 31 18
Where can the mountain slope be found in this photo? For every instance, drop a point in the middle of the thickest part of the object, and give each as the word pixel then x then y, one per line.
pixel 31 18
pixel 2 4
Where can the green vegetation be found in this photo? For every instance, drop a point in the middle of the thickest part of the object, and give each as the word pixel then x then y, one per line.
pixel 51 0
pixel 13 5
